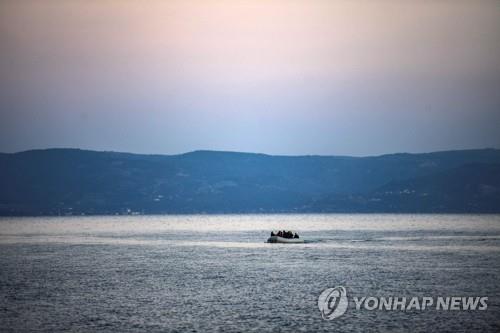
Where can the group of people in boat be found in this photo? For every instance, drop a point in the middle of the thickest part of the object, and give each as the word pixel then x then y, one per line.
pixel 285 234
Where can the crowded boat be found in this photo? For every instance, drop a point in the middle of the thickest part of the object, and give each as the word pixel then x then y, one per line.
pixel 284 236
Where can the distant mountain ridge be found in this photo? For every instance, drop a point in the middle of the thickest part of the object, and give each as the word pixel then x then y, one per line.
pixel 73 181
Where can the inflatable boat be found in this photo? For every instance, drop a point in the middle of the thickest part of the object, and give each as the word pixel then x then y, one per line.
pixel 278 239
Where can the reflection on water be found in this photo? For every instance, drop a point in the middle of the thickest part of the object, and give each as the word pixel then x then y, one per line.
pixel 474 232
pixel 216 273
pixel 232 223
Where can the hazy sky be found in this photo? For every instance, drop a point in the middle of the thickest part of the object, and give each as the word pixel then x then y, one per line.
pixel 281 77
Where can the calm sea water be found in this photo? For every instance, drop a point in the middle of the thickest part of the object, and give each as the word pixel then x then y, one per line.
pixel 215 273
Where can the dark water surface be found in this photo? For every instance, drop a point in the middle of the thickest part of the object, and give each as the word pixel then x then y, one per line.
pixel 215 273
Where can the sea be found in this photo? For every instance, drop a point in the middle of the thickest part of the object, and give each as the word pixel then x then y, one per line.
pixel 216 273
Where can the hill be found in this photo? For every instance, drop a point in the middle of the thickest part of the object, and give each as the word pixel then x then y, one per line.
pixel 72 181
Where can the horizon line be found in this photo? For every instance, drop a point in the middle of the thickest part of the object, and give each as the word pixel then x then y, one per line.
pixel 245 152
